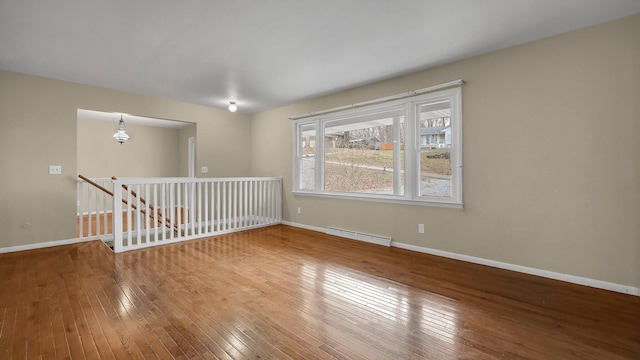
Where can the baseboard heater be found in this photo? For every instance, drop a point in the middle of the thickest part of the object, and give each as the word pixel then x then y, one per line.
pixel 370 238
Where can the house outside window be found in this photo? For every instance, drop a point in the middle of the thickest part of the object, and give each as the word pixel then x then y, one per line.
pixel 406 150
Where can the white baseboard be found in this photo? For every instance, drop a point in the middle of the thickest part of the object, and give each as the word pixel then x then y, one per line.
pixel 599 284
pixel 524 269
pixel 42 245
pixel 304 226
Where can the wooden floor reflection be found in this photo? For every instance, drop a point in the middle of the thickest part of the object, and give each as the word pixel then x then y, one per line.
pixel 282 292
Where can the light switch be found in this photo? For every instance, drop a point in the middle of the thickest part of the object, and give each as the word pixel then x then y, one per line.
pixel 55 169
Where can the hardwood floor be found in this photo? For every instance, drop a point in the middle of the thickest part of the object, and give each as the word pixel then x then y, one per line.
pixel 282 292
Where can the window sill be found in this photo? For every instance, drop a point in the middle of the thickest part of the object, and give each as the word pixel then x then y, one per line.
pixel 383 199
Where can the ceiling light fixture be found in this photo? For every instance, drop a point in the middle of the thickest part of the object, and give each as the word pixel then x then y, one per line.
pixel 121 134
pixel 232 106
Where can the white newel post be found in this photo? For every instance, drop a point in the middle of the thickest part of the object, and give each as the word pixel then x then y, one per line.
pixel 117 217
pixel 279 200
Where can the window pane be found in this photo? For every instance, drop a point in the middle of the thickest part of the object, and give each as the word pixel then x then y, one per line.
pixel 359 153
pixel 435 149
pixel 307 156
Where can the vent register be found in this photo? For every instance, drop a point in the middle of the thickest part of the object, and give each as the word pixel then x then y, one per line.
pixel 355 235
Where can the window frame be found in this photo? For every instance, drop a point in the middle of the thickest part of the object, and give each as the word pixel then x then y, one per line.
pixel 412 151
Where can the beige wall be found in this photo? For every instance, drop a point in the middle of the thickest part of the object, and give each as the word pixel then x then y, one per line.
pixel 38 124
pixel 551 171
pixel 151 152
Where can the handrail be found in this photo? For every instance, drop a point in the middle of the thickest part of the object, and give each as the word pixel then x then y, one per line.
pixel 97 185
pixel 124 201
pixel 151 207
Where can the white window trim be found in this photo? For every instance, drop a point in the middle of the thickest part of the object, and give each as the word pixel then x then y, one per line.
pixel 412 147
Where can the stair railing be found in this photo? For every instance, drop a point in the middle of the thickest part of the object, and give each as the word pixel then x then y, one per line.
pixel 133 206
pixel 150 207
pixel 198 207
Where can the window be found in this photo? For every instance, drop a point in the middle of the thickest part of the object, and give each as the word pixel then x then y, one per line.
pixel 405 150
pixel 359 153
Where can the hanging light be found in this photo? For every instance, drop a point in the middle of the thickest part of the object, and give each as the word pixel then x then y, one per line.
pixel 121 134
pixel 232 106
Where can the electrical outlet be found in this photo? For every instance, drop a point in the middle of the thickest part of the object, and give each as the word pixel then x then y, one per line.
pixel 299 210
pixel 421 228
pixel 204 169
pixel 55 169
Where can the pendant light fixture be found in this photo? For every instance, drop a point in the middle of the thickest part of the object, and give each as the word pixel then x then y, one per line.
pixel 232 106
pixel 121 134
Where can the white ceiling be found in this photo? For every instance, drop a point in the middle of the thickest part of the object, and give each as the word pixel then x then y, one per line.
pixel 269 53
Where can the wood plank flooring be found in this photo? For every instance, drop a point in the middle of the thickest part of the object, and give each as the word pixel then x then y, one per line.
pixel 287 293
